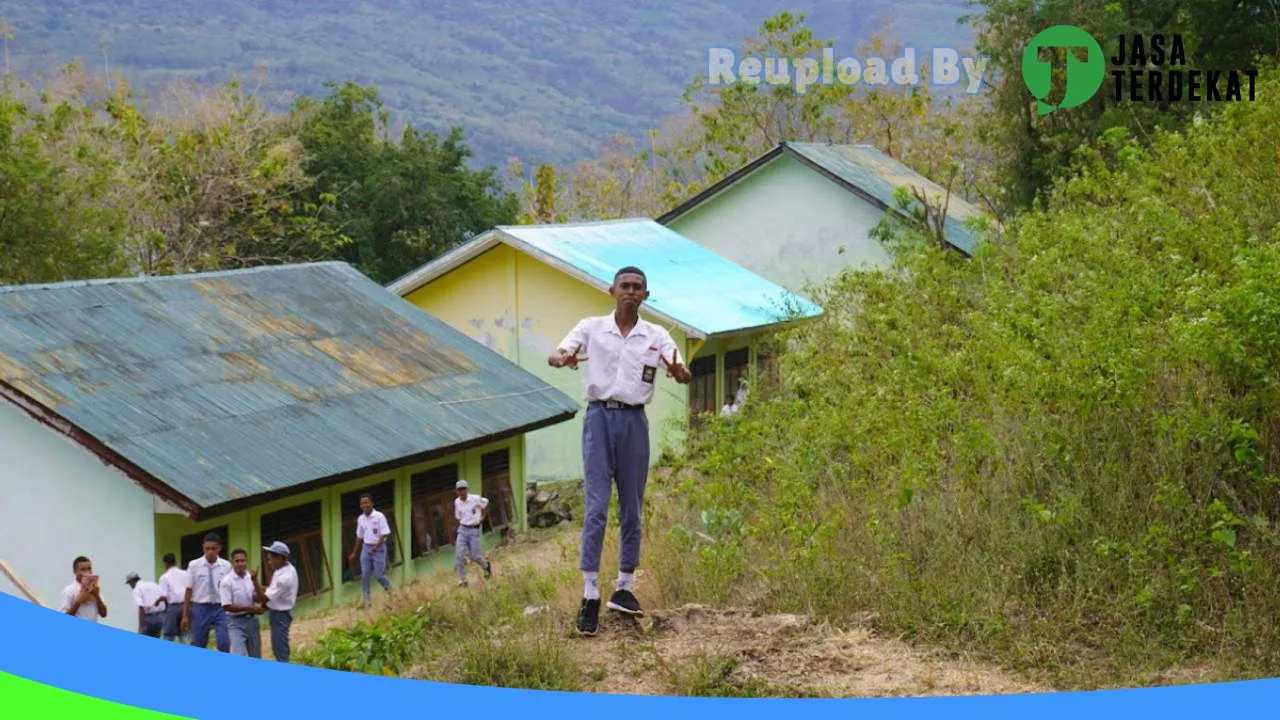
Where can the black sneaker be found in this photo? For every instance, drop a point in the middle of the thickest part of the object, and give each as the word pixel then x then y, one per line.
pixel 589 617
pixel 488 569
pixel 624 602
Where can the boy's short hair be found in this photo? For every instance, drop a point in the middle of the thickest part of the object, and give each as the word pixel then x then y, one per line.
pixel 631 270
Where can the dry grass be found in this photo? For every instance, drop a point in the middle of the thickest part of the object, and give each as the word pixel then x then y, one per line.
pixel 692 650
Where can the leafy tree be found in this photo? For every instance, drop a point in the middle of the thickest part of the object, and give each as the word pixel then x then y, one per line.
pixel 401 203
pixel 1061 453
pixel 55 223
pixel 1216 35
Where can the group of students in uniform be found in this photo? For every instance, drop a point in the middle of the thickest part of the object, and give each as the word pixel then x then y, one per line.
pixel 223 597
pixel 626 351
pixel 213 595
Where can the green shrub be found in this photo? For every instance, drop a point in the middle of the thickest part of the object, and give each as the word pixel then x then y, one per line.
pixel 1061 452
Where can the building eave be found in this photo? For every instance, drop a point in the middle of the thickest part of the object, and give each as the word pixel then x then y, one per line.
pixel 51 419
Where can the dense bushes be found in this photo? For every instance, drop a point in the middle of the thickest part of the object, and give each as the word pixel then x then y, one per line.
pixel 1062 451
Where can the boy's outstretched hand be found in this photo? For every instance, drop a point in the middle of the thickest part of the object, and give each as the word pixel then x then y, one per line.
pixel 563 359
pixel 676 369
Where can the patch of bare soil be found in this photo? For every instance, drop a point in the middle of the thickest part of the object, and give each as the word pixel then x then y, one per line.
pixel 788 654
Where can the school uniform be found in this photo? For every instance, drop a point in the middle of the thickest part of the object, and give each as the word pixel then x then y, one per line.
pixel 373 563
pixel 618 382
pixel 470 514
pixel 282 595
pixel 244 628
pixel 206 602
pixel 173 586
pixel 87 611
pixel 145 594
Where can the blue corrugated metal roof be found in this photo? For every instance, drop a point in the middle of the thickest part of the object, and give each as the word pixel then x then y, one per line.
pixel 687 282
pixel 224 386
pixel 877 174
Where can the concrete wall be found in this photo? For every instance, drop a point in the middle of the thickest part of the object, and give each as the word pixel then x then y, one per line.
pixel 59 501
pixel 787 223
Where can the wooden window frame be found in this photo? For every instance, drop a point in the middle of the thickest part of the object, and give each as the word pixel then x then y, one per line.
pixel 703 370
pixel 304 546
pixel 433 487
pixel 736 372
pixel 197 538
pixel 351 499
pixel 504 497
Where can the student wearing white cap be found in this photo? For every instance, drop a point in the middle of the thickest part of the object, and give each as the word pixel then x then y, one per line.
pixel 280 596
pixel 150 601
pixel 470 510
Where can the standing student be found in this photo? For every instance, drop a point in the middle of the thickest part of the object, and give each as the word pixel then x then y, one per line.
pixel 238 591
pixel 280 596
pixel 82 598
pixel 470 510
pixel 202 608
pixel 173 586
pixel 372 531
pixel 625 352
pixel 150 603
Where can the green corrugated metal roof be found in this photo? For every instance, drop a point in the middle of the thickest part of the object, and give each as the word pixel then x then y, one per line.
pixel 226 386
pixel 878 175
pixel 863 170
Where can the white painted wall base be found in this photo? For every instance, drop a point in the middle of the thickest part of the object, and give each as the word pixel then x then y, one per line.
pixel 58 501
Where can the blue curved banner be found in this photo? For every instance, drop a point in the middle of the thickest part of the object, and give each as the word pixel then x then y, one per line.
pixel 103 663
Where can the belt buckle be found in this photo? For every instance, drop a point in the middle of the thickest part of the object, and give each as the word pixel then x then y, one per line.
pixel 613 405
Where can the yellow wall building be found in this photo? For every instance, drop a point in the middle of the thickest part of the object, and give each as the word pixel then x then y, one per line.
pixel 520 289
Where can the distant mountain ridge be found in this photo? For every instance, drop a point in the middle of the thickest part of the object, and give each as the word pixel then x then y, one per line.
pixel 544 81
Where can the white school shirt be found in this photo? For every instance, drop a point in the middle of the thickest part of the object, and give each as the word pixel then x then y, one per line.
pixel 236 590
pixel 145 593
pixel 88 611
pixel 173 585
pixel 371 527
pixel 618 368
pixel 282 592
pixel 470 511
pixel 204 578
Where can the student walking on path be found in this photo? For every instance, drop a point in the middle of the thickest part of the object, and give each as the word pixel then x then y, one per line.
pixel 470 510
pixel 280 595
pixel 624 353
pixel 202 610
pixel 372 531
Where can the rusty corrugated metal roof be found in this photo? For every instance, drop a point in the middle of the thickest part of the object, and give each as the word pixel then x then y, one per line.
pixel 226 386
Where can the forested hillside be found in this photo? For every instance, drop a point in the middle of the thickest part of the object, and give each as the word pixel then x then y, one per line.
pixel 546 80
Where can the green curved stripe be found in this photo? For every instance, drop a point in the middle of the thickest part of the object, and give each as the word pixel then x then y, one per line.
pixel 44 701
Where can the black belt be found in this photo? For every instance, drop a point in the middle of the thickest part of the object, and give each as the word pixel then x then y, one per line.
pixel 615 405
pixel 473 527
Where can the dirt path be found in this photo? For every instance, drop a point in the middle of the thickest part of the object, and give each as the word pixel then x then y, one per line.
pixel 699 650
pixel 537 548
pixel 695 648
